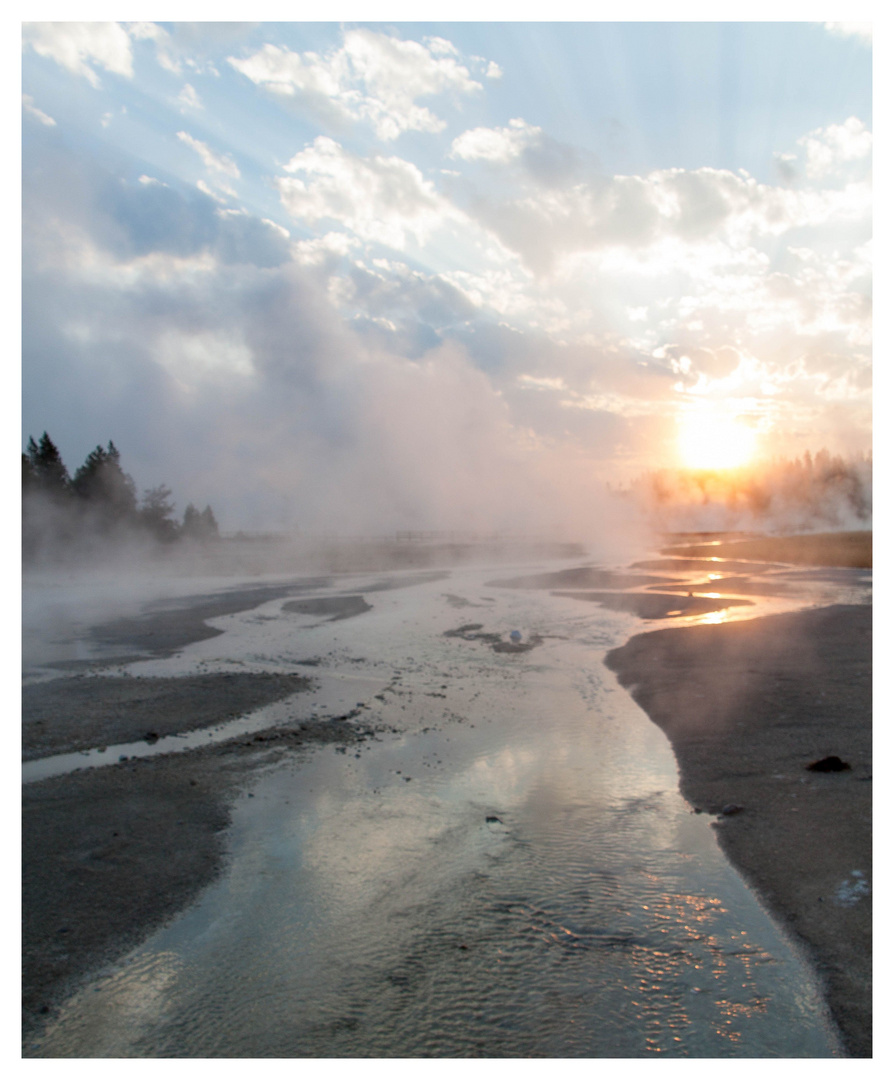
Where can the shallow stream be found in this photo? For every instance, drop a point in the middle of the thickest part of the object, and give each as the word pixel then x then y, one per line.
pixel 511 873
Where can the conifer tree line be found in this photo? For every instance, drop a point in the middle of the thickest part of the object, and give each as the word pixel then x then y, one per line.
pixel 98 503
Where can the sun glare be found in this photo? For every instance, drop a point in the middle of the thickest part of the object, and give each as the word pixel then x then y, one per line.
pixel 712 441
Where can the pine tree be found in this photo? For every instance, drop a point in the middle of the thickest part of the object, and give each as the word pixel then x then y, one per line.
pixel 105 487
pixel 199 526
pixel 209 523
pixel 48 472
pixel 155 513
pixel 29 475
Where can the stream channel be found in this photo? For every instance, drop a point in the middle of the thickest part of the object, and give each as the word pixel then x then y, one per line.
pixel 509 871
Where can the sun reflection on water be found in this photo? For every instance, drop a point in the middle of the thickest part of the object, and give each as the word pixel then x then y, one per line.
pixel 714 618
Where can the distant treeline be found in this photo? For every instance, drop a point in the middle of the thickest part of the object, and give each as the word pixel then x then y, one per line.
pixel 97 507
pixel 814 491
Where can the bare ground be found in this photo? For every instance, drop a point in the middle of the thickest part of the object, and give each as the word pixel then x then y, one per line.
pixel 80 713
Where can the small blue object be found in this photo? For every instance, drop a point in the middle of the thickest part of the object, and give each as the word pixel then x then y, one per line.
pixel 515 636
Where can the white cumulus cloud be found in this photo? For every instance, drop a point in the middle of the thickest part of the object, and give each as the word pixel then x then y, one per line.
pixel 372 77
pixel 378 198
pixel 164 46
pixel 80 47
pixel 495 144
pixel 828 149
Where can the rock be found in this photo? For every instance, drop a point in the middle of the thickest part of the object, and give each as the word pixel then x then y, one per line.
pixel 151 737
pixel 515 636
pixel 731 808
pixel 832 763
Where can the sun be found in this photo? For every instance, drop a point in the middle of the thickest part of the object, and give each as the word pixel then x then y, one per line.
pixel 714 441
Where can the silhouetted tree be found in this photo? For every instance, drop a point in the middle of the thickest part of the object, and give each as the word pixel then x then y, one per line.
pixel 199 526
pixel 47 472
pixel 155 513
pixel 105 487
pixel 29 475
pixel 62 517
pixel 190 526
pixel 209 523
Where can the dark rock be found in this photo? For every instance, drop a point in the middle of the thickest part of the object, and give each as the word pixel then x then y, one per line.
pixel 151 737
pixel 832 763
pixel 731 808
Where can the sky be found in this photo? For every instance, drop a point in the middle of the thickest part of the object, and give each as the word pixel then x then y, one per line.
pixel 358 276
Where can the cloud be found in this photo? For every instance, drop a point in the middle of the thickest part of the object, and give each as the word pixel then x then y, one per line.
pixel 861 31
pixel 165 50
pixel 38 114
pixel 832 149
pixel 439 46
pixel 379 198
pixel 79 47
pixel 495 144
pixel 628 218
pixel 398 309
pixel 83 218
pixel 220 163
pixel 189 99
pixel 372 78
pixel 188 45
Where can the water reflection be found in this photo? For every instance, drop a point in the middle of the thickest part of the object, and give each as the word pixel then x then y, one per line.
pixel 713 618
pixel 545 894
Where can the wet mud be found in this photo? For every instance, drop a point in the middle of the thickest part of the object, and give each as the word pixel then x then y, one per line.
pixel 656 605
pixel 80 713
pixel 583 577
pixel 165 626
pixel 336 607
pixel 852 549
